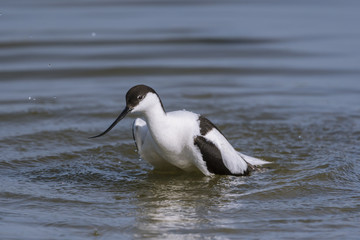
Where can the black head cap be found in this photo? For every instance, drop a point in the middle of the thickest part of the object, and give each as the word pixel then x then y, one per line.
pixel 137 93
pixel 133 97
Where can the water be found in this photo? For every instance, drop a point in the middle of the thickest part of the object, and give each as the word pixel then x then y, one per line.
pixel 279 78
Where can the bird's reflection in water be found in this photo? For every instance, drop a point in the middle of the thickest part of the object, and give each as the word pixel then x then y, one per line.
pixel 181 203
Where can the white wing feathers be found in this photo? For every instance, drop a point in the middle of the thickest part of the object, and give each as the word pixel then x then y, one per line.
pixel 235 161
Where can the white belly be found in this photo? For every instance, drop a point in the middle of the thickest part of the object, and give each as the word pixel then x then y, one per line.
pixel 161 155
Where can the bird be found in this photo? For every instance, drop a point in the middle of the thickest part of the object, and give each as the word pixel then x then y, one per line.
pixel 180 139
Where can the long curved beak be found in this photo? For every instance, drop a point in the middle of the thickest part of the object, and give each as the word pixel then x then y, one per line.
pixel 121 116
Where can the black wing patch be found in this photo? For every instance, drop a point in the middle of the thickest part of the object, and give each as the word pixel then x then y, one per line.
pixel 206 126
pixel 212 156
pixel 210 153
pixel 213 159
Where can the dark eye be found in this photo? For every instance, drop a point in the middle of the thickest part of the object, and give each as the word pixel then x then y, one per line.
pixel 140 97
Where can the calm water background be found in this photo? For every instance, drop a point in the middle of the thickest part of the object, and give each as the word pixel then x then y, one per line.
pixel 280 78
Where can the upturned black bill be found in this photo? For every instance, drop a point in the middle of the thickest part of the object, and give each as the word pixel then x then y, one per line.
pixel 121 116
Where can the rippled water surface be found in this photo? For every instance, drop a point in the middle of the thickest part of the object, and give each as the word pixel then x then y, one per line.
pixel 281 79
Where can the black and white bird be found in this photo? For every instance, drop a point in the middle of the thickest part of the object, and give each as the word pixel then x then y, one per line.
pixel 180 139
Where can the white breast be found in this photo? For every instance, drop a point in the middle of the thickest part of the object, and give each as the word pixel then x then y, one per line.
pixel 173 136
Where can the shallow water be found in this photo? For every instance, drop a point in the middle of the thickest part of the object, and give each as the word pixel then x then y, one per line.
pixel 279 78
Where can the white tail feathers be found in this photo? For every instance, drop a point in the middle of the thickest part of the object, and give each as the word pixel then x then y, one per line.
pixel 253 161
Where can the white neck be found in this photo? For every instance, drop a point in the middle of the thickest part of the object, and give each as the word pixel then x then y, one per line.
pixel 156 120
pixel 154 114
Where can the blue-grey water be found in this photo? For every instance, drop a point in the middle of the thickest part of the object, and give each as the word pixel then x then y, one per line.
pixel 281 79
